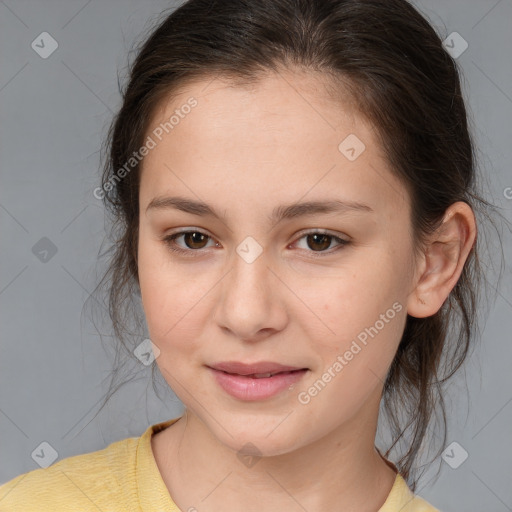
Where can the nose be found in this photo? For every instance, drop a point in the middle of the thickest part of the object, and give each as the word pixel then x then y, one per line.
pixel 251 303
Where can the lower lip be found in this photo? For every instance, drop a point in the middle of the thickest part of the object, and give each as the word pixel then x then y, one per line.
pixel 249 388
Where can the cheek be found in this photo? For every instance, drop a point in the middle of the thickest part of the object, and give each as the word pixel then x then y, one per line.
pixel 364 306
pixel 354 360
pixel 171 299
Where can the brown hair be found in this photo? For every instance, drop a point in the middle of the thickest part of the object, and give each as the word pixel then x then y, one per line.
pixel 401 79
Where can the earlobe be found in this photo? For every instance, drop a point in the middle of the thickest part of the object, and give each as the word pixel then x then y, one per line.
pixel 443 262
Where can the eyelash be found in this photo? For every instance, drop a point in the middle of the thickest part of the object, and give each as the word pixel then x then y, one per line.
pixel 170 242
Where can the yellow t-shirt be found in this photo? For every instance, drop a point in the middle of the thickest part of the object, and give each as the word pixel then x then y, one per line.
pixel 124 477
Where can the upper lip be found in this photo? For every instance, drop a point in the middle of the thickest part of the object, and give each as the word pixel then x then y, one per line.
pixel 239 368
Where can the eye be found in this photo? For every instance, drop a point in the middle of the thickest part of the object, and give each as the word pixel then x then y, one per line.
pixel 193 239
pixel 319 241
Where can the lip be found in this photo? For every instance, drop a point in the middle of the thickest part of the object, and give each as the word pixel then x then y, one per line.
pixel 236 367
pixel 237 382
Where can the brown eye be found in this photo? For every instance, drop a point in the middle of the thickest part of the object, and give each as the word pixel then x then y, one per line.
pixel 318 242
pixel 195 239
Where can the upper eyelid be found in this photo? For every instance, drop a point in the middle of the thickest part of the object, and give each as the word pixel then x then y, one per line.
pixel 298 236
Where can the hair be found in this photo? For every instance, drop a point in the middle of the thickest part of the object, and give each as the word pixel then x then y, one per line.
pixel 392 63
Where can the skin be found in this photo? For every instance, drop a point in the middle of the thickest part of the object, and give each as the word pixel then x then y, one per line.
pixel 245 151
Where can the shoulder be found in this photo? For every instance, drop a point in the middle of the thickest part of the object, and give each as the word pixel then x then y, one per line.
pixel 418 504
pixel 402 498
pixel 90 481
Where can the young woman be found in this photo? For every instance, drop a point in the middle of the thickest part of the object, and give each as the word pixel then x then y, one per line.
pixel 294 185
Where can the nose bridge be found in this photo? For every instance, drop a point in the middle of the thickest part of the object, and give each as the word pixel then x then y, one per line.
pixel 247 303
pixel 250 273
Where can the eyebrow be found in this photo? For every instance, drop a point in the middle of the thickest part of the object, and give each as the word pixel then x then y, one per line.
pixel 283 212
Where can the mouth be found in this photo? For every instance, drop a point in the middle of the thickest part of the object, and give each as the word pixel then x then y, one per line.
pixel 262 375
pixel 256 381
pixel 262 368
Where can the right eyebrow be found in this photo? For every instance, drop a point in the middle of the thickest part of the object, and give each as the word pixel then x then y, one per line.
pixel 279 213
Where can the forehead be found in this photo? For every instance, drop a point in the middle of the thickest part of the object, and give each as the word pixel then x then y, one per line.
pixel 284 135
pixel 272 104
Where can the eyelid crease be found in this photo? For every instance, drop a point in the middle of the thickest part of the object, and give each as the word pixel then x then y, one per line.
pixel 169 240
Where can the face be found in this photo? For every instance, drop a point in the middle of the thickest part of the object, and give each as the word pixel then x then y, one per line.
pixel 311 288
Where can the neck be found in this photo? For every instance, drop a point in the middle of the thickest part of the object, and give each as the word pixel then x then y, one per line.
pixel 334 472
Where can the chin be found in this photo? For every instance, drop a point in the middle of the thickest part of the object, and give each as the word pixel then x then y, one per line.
pixel 257 434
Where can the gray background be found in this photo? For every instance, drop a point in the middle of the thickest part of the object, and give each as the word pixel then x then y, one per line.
pixel 54 114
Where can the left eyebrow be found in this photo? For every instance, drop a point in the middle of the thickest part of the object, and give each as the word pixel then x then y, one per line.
pixel 280 213
pixel 292 211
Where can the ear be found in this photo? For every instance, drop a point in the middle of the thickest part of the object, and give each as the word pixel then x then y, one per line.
pixel 442 261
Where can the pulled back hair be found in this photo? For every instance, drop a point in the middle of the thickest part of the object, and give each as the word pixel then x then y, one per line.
pixel 393 64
